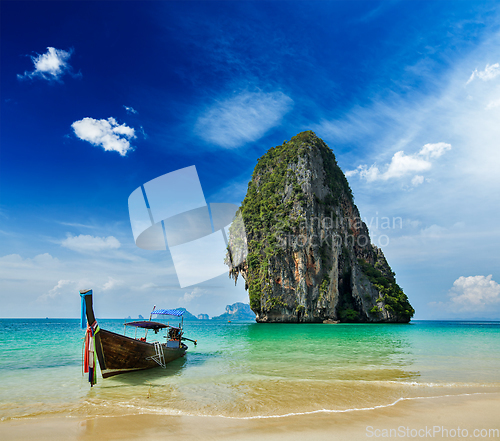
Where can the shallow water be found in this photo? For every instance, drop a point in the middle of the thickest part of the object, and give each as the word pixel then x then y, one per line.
pixel 246 370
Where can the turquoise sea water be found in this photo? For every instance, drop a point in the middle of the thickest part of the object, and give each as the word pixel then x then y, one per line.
pixel 251 370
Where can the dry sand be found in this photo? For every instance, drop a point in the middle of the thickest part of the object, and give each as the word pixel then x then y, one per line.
pixel 416 418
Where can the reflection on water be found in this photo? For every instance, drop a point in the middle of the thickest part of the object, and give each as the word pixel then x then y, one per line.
pixel 245 369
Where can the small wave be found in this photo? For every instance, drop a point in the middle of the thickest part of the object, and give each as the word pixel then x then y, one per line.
pixel 432 384
pixel 355 409
pixel 172 412
pixel 128 409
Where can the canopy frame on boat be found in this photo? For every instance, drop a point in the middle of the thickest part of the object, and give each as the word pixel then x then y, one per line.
pixel 175 312
pixel 156 326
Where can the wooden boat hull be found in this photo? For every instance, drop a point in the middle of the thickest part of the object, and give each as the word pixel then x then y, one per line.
pixel 123 354
pixel 119 354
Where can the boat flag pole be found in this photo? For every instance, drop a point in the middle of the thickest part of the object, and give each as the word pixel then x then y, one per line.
pixel 150 316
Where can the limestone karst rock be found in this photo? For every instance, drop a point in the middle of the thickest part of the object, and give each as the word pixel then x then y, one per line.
pixel 310 257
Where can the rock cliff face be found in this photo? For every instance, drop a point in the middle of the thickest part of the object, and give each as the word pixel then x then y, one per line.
pixel 310 257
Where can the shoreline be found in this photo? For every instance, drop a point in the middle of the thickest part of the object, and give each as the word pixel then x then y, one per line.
pixel 469 412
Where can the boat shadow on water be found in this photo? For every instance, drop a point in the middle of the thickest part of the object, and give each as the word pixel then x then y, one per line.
pixel 145 377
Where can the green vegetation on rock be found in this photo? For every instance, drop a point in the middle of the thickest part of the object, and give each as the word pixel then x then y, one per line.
pixel 349 315
pixel 391 294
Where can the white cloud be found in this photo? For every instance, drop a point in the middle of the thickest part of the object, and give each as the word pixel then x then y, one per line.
pixel 107 134
pixel 55 291
pixel 417 180
pixel 434 232
pixel 130 110
pixel 434 150
pixel 402 164
pixel 76 224
pixel 474 293
pixel 111 283
pixel 244 118
pixel 190 296
pixel 487 74
pixel 414 223
pixel 50 66
pixel 86 243
pixel 493 104
pixel 13 262
pixel 148 286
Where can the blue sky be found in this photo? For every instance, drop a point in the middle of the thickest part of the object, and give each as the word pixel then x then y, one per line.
pixel 98 98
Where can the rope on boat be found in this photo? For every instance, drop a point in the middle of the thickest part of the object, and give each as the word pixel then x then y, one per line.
pixel 83 349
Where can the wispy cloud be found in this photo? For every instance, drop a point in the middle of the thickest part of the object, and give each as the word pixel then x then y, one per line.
pixel 402 164
pixel 147 286
pixel 244 118
pixel 442 109
pixel 493 104
pixel 85 243
pixel 50 66
pixel 487 74
pixel 15 261
pixel 233 191
pixel 53 283
pixel 439 245
pixel 55 291
pixel 111 284
pixel 130 110
pixel 188 297
pixel 376 12
pixel 107 134
pixel 76 224
pixel 417 180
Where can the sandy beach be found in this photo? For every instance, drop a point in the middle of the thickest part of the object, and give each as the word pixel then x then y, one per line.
pixel 471 416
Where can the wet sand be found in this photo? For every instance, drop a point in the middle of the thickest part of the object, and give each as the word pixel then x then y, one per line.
pixel 413 418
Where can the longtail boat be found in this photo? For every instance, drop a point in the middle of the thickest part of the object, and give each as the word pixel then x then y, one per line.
pixel 119 354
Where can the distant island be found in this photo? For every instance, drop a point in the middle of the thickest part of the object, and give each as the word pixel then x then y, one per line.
pixel 237 311
pixel 140 317
pixel 187 315
pixel 310 257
